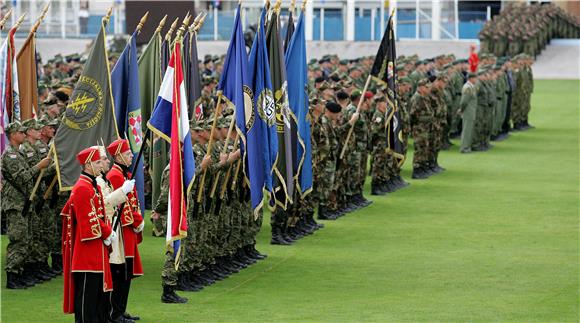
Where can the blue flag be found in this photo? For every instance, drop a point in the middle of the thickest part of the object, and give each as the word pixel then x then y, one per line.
pixel 125 89
pixel 234 86
pixel 261 138
pixel 297 78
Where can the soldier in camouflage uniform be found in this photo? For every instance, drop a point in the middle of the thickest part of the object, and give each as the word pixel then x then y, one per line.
pixel 421 117
pixel 328 148
pixel 379 146
pixel 40 220
pixel 439 125
pixel 17 183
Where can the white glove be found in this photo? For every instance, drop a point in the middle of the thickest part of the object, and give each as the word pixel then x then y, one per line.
pixel 111 238
pixel 128 186
pixel 140 227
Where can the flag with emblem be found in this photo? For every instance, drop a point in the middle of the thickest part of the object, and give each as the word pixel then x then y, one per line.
pixel 260 133
pixel 126 96
pixel 171 122
pixel 297 72
pixel 383 71
pixel 89 115
pixel 283 170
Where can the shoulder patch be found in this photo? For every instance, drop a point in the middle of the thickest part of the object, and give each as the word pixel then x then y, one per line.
pixel 29 154
pixel 13 156
pixel 378 120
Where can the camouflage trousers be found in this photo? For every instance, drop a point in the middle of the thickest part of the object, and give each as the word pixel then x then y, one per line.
pixel 422 145
pixel 327 179
pixel 19 240
pixel 379 165
pixel 169 274
pixel 159 226
pixel 39 230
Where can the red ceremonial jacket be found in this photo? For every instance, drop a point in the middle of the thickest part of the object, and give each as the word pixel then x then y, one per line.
pixel 131 218
pixel 84 229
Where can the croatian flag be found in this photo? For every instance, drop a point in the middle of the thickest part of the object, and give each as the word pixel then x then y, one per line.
pixel 171 122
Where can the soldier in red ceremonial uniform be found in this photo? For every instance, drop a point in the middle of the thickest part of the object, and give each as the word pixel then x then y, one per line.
pixel 130 235
pixel 87 236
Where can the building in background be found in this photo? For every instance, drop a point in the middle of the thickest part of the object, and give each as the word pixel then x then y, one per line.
pixel 326 20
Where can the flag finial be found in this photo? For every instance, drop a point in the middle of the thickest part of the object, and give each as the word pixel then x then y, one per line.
pixel 108 15
pixel 19 21
pixel 303 6
pixel 142 22
pixel 200 23
pixel 6 16
pixel 161 24
pixel 181 29
pixel 171 29
pixel 195 22
pixel 292 5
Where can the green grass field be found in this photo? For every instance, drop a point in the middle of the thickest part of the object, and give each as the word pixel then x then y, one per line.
pixel 494 238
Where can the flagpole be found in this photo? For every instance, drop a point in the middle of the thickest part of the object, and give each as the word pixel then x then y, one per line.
pixel 229 172
pixel 37 183
pixel 6 16
pixel 224 150
pixel 350 130
pixel 210 145
pixel 19 22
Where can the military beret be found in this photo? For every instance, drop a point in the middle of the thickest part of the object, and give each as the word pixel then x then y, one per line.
pixel 207 58
pixel 482 72
pixel 333 107
pixel 319 79
pixel 61 95
pixel 470 75
pixel 355 94
pixel 14 127
pixel 341 95
pixel 324 60
pixel 343 62
pixel 368 94
pixel 30 124
pixel 312 61
pixel 335 78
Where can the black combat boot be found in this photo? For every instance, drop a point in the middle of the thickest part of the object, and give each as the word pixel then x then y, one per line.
pixel 376 189
pixel 402 182
pixel 255 252
pixel 277 236
pixel 323 213
pixel 169 296
pixel 418 173
pixel 183 283
pixel 14 282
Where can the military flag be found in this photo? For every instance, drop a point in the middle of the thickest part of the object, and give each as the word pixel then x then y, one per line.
pixel 383 71
pixel 170 121
pixel 9 87
pixel 260 135
pixel 289 28
pixel 27 74
pixel 4 116
pixel 234 87
pixel 284 171
pixel 193 80
pixel 126 96
pixel 297 72
pixel 149 83
pixel 90 114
